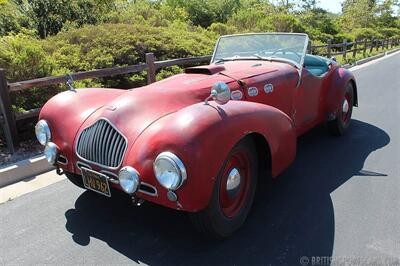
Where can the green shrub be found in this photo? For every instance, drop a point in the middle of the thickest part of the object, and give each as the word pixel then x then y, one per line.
pixel 222 29
pixel 24 58
pixel 389 32
pixel 366 33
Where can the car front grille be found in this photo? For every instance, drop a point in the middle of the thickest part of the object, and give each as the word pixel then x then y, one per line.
pixel 101 144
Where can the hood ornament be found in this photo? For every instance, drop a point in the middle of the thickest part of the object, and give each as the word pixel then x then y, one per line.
pixel 70 83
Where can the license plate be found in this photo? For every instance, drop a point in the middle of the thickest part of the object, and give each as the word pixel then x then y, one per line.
pixel 96 181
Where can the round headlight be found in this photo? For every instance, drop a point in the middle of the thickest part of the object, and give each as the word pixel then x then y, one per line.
pixel 128 179
pixel 51 152
pixel 169 170
pixel 42 131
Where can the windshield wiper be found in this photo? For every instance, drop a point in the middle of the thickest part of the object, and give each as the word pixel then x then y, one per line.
pixel 276 59
pixel 221 60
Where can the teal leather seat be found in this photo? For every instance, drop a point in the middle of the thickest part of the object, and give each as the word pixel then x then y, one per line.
pixel 316 65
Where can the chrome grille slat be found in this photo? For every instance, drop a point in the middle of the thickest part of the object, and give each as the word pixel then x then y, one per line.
pixel 105 146
pixel 113 145
pixel 90 142
pixel 95 147
pixel 101 144
pixel 120 149
pixel 114 156
pixel 84 149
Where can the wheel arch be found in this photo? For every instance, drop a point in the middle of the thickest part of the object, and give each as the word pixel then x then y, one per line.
pixel 263 154
pixel 353 82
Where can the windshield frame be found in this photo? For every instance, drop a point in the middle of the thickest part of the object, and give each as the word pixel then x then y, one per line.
pixel 279 59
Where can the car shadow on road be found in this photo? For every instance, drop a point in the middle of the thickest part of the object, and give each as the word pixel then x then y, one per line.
pixel 293 217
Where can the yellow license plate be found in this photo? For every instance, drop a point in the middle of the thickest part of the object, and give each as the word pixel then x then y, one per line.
pixel 96 181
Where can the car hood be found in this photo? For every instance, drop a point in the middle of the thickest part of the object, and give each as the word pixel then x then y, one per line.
pixel 134 111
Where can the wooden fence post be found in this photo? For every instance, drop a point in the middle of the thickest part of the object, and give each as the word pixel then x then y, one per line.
pixel 372 46
pixel 344 49
pixel 9 125
pixel 151 71
pixel 365 47
pixel 329 48
pixel 355 49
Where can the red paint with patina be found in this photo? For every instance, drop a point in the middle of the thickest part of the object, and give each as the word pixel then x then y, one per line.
pixel 170 115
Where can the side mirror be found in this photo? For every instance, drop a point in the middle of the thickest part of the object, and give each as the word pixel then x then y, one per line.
pixel 220 93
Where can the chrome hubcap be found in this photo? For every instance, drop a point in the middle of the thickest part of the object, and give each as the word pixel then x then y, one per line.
pixel 233 182
pixel 345 107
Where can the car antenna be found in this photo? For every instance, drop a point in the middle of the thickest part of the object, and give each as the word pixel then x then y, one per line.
pixel 70 83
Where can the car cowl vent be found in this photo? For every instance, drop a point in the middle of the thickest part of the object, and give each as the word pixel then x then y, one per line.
pixel 101 144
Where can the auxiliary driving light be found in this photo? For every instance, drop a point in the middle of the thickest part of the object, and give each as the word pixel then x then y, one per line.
pixel 51 152
pixel 129 179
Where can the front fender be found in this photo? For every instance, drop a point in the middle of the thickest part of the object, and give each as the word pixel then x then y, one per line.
pixel 202 136
pixel 66 112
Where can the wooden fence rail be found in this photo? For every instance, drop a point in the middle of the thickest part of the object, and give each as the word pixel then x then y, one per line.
pixel 8 118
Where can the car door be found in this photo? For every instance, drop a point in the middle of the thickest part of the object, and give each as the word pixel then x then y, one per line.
pixel 307 96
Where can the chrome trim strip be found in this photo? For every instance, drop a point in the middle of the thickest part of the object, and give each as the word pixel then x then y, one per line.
pixel 155 194
pixel 101 165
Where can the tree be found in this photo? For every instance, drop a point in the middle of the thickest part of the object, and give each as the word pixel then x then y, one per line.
pixel 385 12
pixel 309 4
pixel 358 14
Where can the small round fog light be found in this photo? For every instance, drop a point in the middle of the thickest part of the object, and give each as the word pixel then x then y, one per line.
pixel 51 152
pixel 129 179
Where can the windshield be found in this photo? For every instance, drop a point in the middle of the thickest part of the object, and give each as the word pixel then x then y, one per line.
pixel 289 47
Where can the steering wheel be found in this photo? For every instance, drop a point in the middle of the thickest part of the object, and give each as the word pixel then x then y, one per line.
pixel 289 49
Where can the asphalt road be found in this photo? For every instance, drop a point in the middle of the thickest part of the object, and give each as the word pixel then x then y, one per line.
pixel 340 198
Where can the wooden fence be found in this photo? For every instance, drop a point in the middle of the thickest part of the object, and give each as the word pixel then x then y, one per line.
pixel 8 118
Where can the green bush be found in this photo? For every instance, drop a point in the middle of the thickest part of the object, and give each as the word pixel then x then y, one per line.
pixel 222 29
pixel 366 33
pixel 389 32
pixel 24 58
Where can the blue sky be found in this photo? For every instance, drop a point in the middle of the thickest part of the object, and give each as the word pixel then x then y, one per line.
pixel 331 5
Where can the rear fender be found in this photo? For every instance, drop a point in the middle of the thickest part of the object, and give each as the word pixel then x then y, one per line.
pixel 335 93
pixel 202 136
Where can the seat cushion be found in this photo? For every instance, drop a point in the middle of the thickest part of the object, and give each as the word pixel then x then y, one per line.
pixel 316 65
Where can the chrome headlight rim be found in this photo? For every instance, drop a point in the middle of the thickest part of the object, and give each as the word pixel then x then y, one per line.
pixel 42 128
pixel 51 152
pixel 135 179
pixel 176 163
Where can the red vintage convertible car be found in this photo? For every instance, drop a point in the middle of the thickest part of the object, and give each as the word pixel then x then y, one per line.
pixel 198 141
